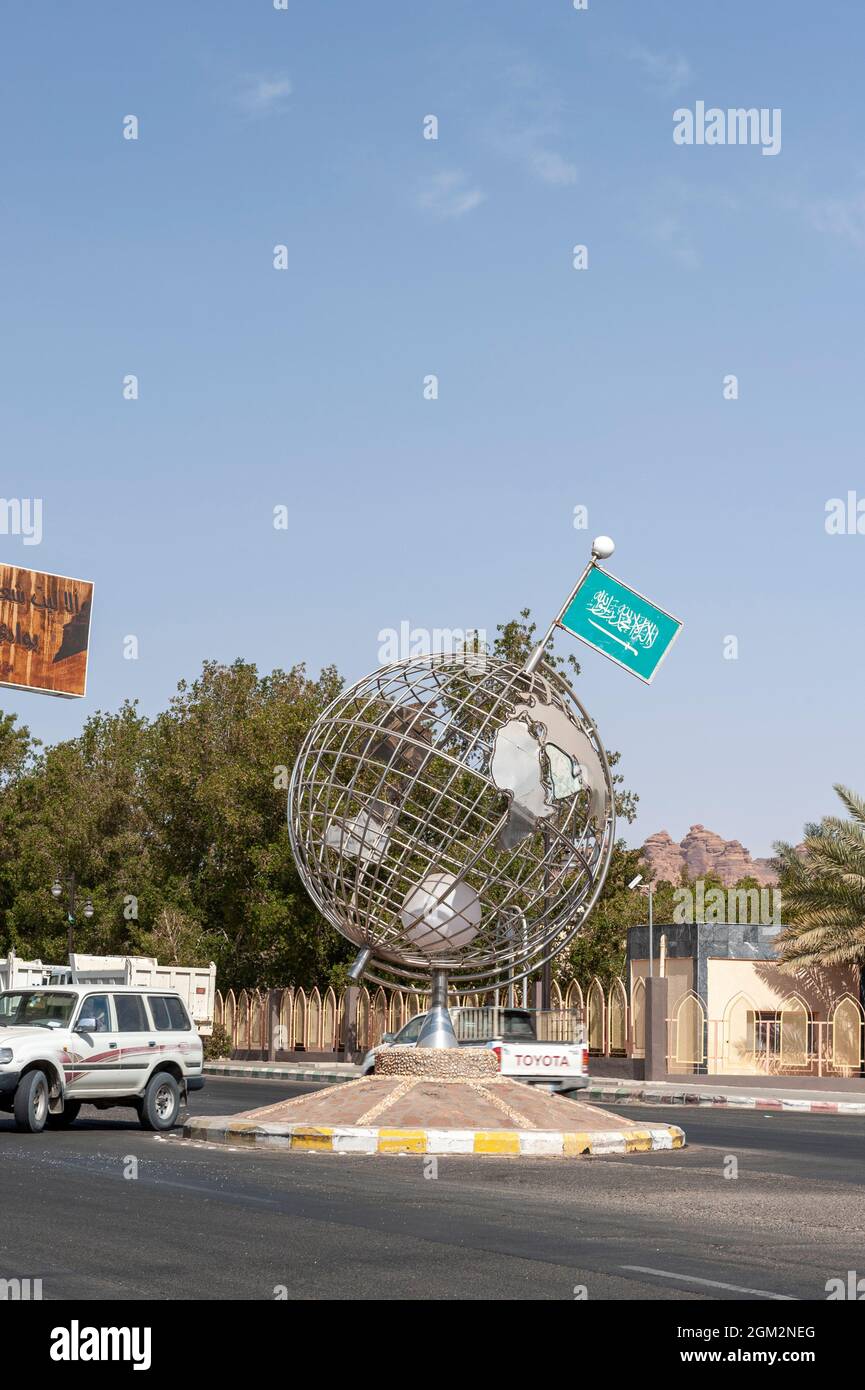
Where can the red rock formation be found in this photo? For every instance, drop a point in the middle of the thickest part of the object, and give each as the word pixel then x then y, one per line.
pixel 703 853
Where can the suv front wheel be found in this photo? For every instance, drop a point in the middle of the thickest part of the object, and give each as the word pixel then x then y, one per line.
pixel 31 1102
pixel 160 1103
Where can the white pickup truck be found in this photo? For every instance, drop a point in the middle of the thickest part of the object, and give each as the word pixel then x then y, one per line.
pixel 513 1036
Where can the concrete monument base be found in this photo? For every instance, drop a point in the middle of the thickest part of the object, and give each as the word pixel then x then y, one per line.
pixel 436 1114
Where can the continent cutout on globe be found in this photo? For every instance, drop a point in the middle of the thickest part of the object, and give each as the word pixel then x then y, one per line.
pixel 361 837
pixel 538 773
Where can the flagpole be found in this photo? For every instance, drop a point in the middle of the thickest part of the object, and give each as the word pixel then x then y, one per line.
pixel 602 549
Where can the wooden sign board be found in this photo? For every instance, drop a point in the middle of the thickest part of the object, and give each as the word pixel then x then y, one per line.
pixel 44 631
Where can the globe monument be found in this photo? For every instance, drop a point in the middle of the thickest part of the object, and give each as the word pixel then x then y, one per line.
pixel 453 817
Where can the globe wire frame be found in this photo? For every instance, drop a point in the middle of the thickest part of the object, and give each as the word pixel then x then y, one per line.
pixel 466 966
pixel 423 963
pixel 378 685
pixel 354 908
pixel 379 688
pixel 458 765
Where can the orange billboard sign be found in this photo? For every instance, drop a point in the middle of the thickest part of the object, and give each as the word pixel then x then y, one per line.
pixel 44 631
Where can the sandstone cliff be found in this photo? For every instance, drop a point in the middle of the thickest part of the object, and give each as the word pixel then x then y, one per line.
pixel 702 853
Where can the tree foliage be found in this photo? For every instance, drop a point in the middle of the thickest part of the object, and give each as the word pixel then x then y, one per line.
pixel 823 890
pixel 176 829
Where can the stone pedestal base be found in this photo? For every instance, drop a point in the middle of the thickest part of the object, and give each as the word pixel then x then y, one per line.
pixel 445 1064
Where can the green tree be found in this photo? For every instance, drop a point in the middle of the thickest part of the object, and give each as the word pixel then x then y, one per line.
pixel 601 948
pixel 76 808
pixel 823 892
pixel 215 788
pixel 176 828
pixel 17 749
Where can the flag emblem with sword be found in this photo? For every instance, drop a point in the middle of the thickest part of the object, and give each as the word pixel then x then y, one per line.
pixel 614 619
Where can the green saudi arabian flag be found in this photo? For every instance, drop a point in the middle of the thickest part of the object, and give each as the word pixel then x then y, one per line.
pixel 620 623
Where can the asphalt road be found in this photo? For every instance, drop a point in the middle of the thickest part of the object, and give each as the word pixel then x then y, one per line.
pixel 206 1222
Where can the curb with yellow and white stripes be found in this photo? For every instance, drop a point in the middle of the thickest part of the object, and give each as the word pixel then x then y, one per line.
pixel 354 1139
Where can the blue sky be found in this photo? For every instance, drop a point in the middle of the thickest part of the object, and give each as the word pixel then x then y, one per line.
pixel 408 257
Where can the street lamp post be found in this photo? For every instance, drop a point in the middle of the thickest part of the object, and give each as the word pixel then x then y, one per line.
pixel 547 969
pixel 57 892
pixel 633 884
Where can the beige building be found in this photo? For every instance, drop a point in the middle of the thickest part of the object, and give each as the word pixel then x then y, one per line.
pixel 732 1011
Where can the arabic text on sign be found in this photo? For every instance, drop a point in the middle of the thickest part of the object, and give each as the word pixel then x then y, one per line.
pixel 18 638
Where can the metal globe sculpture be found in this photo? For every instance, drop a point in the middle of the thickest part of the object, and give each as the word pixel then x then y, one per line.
pixel 454 817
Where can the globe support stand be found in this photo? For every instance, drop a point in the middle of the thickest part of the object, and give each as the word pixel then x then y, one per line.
pixel 438 1030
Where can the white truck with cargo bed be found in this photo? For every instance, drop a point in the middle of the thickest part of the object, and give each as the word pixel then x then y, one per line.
pixel 195 984
pixel 545 1047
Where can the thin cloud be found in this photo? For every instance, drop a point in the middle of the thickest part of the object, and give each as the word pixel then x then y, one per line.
pixel 262 96
pixel 665 72
pixel 843 218
pixel 526 128
pixel 449 195
pixel 529 148
pixel 676 210
pixel 670 233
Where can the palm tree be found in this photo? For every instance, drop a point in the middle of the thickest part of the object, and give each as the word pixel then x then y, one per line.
pixel 823 890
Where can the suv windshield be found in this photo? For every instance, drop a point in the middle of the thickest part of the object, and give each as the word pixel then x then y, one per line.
pixel 43 1008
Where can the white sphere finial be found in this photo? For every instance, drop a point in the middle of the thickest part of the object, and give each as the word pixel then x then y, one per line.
pixel 603 547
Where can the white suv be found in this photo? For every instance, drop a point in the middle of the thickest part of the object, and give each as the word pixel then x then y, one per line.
pixel 104 1044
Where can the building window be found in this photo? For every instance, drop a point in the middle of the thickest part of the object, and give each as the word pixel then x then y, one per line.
pixel 764 1030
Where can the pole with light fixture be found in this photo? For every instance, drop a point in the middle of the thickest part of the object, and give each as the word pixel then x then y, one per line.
pixel 633 884
pixel 57 892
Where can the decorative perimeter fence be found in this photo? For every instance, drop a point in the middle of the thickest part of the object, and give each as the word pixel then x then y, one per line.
pixel 280 1023
pixel 789 1040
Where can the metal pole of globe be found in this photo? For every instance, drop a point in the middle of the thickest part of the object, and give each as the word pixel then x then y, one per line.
pixel 440 911
pixel 547 968
pixel 438 1029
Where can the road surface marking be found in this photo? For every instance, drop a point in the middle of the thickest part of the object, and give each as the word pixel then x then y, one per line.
pixel 711 1283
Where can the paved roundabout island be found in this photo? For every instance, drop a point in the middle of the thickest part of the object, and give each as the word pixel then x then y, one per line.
pixel 419 1106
